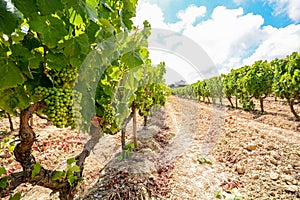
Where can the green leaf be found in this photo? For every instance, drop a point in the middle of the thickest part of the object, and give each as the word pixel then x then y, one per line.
pixel 70 161
pixel 58 175
pixel 75 46
pixel 132 59
pixel 16 196
pixel 30 42
pixel 47 7
pixel 2 171
pixel 83 43
pixel 71 179
pixel 9 18
pixel 11 75
pixel 52 29
pixel 36 169
pixel 27 8
pixel 13 99
pixel 91 31
pixel 34 62
pixel 25 69
pixel 3 182
pixel 218 194
pixel 120 158
pixel 11 146
pixel 73 170
pixel 20 53
pixel 57 61
pixel 6 140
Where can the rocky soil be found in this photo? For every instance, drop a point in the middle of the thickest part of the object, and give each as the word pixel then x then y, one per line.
pixel 190 150
pixel 258 154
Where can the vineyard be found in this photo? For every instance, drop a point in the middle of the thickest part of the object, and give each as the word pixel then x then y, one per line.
pixel 85 114
pixel 279 78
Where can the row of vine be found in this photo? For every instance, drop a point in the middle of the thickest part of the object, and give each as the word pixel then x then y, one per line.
pixel 280 78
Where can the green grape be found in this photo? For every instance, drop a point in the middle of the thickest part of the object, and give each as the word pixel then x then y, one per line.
pixel 64 78
pixel 59 105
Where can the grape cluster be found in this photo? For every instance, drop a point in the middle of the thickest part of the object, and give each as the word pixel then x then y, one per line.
pixel 65 77
pixel 62 105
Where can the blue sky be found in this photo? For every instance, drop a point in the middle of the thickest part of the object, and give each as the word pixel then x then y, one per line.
pixel 233 33
pixel 263 8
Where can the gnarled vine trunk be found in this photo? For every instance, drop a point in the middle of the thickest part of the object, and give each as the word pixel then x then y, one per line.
pixel 23 155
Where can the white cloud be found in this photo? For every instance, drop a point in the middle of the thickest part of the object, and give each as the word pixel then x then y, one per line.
pixel 291 7
pixel 153 13
pixel 229 36
pixel 190 14
pixel 150 12
pixel 279 43
pixel 294 10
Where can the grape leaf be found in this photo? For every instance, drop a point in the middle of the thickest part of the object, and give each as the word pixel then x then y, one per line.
pixel 9 19
pixel 10 74
pixel 47 7
pixel 24 8
pixel 52 29
pixel 71 179
pixel 132 59
pixel 2 171
pixel 70 161
pixel 58 175
pixel 36 169
pixel 16 196
pixel 57 61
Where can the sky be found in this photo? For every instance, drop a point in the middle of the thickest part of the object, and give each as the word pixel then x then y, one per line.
pixel 231 33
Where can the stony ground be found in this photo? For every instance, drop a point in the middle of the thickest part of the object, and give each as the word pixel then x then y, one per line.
pixel 190 150
pixel 258 154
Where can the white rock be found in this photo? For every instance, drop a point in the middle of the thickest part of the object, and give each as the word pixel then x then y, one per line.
pixel 274 176
pixel 291 188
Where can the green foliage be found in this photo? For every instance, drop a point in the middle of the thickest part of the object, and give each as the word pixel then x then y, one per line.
pixel 128 151
pixel 259 79
pixel 3 182
pixel 215 87
pixel 69 173
pixel 44 43
pixel 16 196
pixel 7 143
pixel 247 103
pixel 36 169
pixel 287 76
pixel 189 91
pixel 280 76
pixel 9 19
pixel 153 90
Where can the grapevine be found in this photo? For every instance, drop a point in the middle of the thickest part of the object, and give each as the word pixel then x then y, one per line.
pixel 280 77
